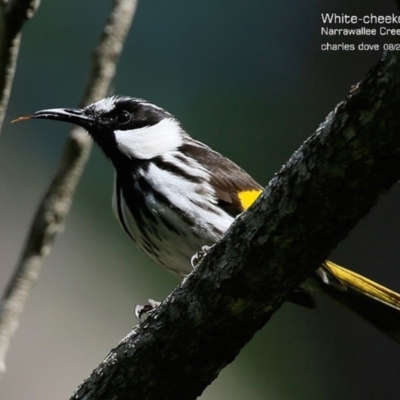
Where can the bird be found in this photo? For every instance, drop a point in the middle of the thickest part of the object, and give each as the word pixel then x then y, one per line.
pixel 175 197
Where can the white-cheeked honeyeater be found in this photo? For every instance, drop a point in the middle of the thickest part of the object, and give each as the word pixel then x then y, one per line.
pixel 173 195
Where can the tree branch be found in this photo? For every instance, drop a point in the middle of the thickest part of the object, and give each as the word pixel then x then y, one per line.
pixel 56 202
pixel 326 187
pixel 14 14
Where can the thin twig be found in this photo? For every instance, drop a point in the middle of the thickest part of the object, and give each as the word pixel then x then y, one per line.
pixel 14 14
pixel 56 202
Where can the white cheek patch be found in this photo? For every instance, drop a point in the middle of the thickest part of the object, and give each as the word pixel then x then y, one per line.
pixel 150 141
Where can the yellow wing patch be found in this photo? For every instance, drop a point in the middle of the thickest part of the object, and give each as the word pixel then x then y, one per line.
pixel 248 197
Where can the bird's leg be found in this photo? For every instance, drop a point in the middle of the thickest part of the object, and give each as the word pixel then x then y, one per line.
pixel 141 311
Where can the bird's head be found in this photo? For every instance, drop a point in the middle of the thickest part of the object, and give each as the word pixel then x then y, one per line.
pixel 123 126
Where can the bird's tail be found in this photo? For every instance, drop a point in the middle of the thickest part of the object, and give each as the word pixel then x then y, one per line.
pixel 375 303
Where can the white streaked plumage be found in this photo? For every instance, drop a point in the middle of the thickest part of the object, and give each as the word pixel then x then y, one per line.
pixel 174 248
pixel 187 195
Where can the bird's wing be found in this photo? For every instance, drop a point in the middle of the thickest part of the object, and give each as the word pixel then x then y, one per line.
pixel 235 189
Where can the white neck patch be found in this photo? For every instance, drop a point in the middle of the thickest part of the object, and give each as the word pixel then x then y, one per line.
pixel 150 141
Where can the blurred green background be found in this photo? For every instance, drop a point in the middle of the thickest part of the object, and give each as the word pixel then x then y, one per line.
pixel 250 80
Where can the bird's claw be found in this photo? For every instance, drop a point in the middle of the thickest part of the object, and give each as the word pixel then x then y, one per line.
pixel 195 260
pixel 142 311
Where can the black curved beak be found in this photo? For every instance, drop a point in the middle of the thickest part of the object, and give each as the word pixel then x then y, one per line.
pixel 74 116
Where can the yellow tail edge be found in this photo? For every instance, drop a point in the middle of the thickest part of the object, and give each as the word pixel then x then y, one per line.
pixel 364 285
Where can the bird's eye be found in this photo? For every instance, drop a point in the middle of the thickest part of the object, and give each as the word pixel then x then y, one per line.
pixel 124 117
